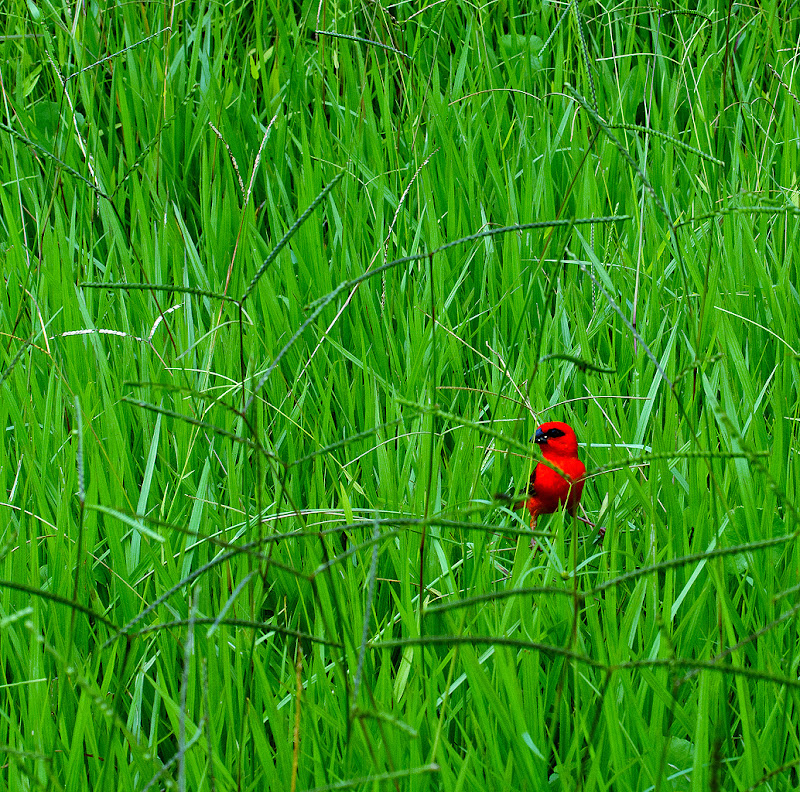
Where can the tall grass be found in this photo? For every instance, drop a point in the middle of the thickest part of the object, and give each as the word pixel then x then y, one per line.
pixel 287 287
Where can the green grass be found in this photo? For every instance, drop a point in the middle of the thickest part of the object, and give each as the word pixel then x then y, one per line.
pixel 227 470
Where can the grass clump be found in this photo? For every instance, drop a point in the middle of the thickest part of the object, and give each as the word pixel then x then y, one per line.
pixel 286 290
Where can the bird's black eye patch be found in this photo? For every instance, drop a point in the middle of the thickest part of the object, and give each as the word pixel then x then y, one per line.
pixel 543 436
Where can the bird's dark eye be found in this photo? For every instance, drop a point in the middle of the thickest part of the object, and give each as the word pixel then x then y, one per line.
pixel 555 433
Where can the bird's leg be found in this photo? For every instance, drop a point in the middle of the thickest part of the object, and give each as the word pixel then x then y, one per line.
pixel 601 531
pixel 534 544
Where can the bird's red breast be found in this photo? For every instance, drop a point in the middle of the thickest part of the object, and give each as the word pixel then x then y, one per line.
pixel 548 490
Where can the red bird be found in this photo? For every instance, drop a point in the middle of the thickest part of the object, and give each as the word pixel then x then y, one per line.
pixel 548 491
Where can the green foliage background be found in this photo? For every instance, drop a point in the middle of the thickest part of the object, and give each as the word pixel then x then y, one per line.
pixel 240 440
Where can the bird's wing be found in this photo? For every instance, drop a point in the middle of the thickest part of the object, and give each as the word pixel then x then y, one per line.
pixel 532 484
pixel 530 492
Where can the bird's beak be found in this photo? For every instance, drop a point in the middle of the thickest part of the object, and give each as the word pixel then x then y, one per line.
pixel 539 437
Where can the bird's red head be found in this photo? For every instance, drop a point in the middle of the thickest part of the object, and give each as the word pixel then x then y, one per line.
pixel 556 439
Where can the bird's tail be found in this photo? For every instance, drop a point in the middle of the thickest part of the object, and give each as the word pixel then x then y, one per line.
pixel 505 498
